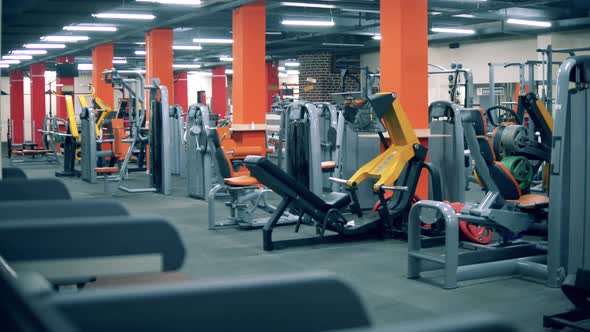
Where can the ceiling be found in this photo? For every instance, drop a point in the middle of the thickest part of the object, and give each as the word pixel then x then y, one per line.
pixel 356 22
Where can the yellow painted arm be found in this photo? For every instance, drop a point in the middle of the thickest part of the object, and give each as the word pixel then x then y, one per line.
pixel 387 167
pixel 72 117
pixel 106 110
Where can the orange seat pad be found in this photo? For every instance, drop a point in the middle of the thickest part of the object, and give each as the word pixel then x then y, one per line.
pixel 532 201
pixel 241 181
pixel 106 169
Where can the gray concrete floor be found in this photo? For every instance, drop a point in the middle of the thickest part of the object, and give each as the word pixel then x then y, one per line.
pixel 375 268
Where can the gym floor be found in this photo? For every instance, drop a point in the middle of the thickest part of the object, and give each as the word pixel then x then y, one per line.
pixel 375 268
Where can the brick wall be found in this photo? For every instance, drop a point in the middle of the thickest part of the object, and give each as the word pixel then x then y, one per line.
pixel 318 66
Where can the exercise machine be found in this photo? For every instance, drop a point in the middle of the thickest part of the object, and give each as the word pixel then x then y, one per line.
pixel 201 176
pixel 158 133
pixel 504 209
pixel 177 141
pixel 397 169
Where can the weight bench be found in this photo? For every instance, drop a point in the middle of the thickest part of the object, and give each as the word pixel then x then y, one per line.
pixel 13 173
pixel 33 189
pixel 49 209
pixel 296 195
pixel 106 171
pixel 77 250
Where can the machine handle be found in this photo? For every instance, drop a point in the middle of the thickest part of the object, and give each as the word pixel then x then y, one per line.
pixel 397 188
pixel 337 180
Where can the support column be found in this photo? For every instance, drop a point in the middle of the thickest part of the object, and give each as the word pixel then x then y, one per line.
pixel 249 89
pixel 17 106
pixel 181 90
pixel 102 59
pixel 60 103
pixel 219 91
pixel 404 61
pixel 159 59
pixel 272 79
pixel 37 100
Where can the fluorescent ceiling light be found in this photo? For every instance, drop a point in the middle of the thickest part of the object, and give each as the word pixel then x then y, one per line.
pixel 125 16
pixel 90 28
pixel 139 43
pixel 343 44
pixel 120 61
pixel 17 57
pixel 543 24
pixel 226 58
pixel 274 33
pixel 200 73
pixel 4 65
pixel 44 46
pixel 281 68
pixel 377 37
pixel 309 5
pixel 292 72
pixel 174 2
pixel 359 10
pixel 292 64
pixel 10 62
pixel 283 75
pixel 187 47
pixel 308 23
pixel 454 30
pixel 188 65
pixel 64 39
pixel 85 66
pixel 213 40
pixel 434 13
pixel 465 16
pixel 139 52
pixel 30 52
pixel 229 71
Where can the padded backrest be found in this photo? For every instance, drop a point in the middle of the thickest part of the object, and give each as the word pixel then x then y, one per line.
pixel 310 302
pixel 476 118
pixel 91 237
pixel 22 313
pixel 13 173
pixel 507 184
pixel 280 182
pixel 13 210
pixel 486 149
pixel 32 189
pixel 219 155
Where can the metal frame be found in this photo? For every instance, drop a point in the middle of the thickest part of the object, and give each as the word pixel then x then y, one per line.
pixel 178 141
pixel 467 76
pixel 201 176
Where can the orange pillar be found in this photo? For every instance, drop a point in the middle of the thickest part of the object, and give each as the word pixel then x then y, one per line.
pixel 249 88
pixel 181 90
pixel 37 73
pixel 102 59
pixel 404 61
pixel 159 59
pixel 219 91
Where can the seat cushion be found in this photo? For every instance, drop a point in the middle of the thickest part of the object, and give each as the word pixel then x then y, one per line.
pixel 241 181
pixel 337 200
pixel 532 201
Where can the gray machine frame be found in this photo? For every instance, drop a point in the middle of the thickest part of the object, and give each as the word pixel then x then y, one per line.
pixel 569 216
pixel 200 166
pixel 177 140
pixel 136 88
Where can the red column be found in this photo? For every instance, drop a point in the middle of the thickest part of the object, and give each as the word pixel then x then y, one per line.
pixel 37 99
pixel 60 103
pixel 102 59
pixel 219 91
pixel 404 61
pixel 272 77
pixel 159 59
pixel 249 86
pixel 181 90
pixel 17 105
